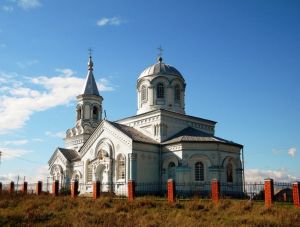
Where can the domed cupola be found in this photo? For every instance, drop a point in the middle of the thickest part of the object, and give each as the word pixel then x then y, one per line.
pixel 160 86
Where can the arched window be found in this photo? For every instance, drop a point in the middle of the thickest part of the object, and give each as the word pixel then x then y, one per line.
pixel 160 91
pixel 229 173
pixel 120 167
pixel 95 113
pixel 171 170
pixel 78 113
pixel 144 93
pixel 177 93
pixel 199 171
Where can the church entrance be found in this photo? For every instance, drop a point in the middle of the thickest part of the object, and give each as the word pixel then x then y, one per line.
pixel 102 174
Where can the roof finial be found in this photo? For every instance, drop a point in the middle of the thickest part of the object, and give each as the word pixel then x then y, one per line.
pixel 160 49
pixel 90 63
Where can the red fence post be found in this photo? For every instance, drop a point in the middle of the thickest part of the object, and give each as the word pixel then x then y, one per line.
pixel 171 191
pixel 296 194
pixel 0 187
pixel 39 187
pixel 55 186
pixel 11 188
pixel 74 189
pixel 269 192
pixel 131 190
pixel 96 189
pixel 24 187
pixel 215 191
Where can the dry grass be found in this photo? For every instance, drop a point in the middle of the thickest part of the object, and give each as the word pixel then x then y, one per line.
pixel 45 210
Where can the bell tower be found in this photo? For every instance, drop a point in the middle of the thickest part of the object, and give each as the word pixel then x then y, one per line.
pixel 88 112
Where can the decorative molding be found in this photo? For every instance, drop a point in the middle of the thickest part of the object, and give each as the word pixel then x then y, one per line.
pixel 132 156
pixel 104 126
pixel 176 147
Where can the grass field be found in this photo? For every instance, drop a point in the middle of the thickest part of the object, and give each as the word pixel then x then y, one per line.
pixel 45 210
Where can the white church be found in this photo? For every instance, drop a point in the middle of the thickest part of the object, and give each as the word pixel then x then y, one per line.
pixel 160 142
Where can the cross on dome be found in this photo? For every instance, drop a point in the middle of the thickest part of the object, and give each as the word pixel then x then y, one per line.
pixel 160 49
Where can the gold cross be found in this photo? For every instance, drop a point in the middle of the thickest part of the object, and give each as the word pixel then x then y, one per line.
pixel 160 49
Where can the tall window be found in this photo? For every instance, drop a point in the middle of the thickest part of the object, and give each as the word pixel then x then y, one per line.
pixel 144 93
pixel 171 170
pixel 160 91
pixel 89 172
pixel 121 167
pixel 199 171
pixel 177 93
pixel 95 113
pixel 78 113
pixel 229 172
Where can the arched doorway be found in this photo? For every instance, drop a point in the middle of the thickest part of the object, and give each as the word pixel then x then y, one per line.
pixel 101 174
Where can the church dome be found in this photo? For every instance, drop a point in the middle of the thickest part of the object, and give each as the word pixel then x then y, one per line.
pixel 160 86
pixel 160 68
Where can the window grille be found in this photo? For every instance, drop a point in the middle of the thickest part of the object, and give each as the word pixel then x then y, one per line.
pixel 229 173
pixel 121 167
pixel 144 93
pixel 199 171
pixel 160 91
pixel 177 93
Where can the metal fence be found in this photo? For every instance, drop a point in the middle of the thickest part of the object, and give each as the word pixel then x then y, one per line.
pixel 254 191
pixel 186 190
pixel 155 189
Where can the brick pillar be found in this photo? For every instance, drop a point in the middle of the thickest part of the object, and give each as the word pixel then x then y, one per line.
pixel 96 189
pixel 215 191
pixel 131 190
pixel 74 189
pixel 55 186
pixel 11 188
pixel 269 192
pixel 24 187
pixel 39 187
pixel 296 194
pixel 0 187
pixel 171 191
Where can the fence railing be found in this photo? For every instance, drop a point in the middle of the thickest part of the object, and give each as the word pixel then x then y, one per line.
pixel 267 191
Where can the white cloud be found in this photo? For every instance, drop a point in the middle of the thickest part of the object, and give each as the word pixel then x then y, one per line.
pixel 60 134
pixel 109 21
pixel 14 142
pixel 28 4
pixel 10 153
pixel 103 85
pixel 292 152
pixel 257 175
pixel 19 102
pixel 66 72
pixel 7 8
pixel 41 172
pixel 37 140
pixel 27 63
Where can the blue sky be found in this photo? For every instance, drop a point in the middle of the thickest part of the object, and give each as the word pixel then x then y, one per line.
pixel 240 60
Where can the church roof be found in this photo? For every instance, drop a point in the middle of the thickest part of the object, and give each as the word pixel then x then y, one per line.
pixel 90 86
pixel 170 112
pixel 134 134
pixel 160 68
pixel 69 154
pixel 190 134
